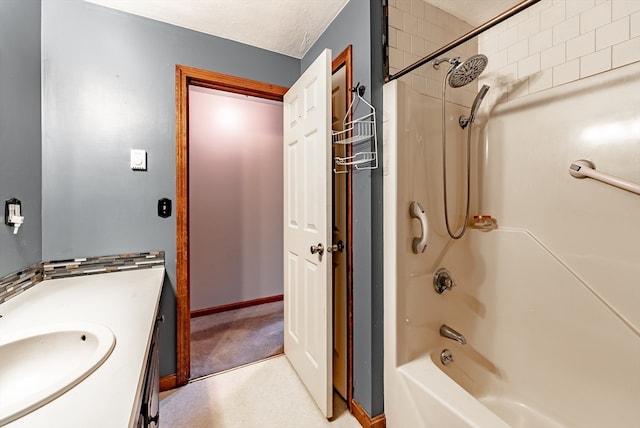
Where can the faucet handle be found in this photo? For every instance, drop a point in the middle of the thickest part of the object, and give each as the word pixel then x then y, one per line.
pixel 443 281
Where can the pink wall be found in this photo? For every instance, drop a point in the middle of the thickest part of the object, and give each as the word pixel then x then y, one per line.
pixel 235 197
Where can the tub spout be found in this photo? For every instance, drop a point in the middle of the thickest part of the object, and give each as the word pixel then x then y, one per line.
pixel 449 333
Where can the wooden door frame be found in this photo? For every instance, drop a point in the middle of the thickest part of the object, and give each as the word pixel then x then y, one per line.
pixel 344 59
pixel 186 76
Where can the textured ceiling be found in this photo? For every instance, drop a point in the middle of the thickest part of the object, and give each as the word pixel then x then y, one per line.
pixel 289 27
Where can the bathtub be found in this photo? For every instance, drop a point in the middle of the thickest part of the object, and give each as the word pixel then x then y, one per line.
pixel 551 340
pixel 520 367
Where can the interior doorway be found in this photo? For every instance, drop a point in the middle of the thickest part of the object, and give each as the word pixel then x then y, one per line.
pixel 235 229
pixel 188 76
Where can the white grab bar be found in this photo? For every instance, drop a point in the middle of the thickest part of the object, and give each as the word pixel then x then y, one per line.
pixel 584 168
pixel 420 243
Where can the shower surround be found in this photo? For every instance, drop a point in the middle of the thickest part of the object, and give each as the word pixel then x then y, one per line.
pixel 549 303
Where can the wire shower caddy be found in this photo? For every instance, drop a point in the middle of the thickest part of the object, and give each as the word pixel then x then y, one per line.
pixel 357 132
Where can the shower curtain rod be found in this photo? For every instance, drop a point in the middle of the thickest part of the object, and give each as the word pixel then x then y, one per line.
pixel 470 35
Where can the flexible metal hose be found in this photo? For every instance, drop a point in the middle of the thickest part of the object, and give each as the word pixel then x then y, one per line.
pixel 461 232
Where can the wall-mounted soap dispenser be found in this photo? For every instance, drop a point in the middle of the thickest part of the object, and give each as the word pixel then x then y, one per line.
pixel 13 214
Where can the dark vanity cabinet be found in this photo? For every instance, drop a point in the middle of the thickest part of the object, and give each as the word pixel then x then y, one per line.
pixel 150 407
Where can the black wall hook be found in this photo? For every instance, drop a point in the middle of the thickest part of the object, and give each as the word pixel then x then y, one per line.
pixel 360 89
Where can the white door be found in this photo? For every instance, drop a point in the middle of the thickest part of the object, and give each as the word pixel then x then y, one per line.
pixel 307 224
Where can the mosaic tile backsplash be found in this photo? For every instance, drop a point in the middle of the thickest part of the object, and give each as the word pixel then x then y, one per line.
pixel 15 283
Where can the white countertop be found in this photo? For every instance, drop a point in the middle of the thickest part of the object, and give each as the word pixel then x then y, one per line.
pixel 124 301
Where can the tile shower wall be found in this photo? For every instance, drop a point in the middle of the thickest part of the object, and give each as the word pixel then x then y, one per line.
pixel 559 41
pixel 416 29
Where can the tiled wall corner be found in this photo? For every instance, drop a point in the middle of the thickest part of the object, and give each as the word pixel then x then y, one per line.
pixel 416 29
pixel 559 41
pixel 15 283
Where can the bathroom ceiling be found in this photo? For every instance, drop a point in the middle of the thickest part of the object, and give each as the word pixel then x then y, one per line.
pixel 289 27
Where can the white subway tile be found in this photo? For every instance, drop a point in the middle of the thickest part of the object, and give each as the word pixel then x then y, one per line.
pixel 418 46
pixel 396 58
pixel 612 34
pixel 488 45
pixel 395 18
pixel 393 39
pixel 595 17
pixel 596 62
pixel 431 46
pixel 621 8
pixel 553 56
pixel 444 19
pixel 634 25
pixel 540 81
pixel 576 7
pixel 539 7
pixel 518 51
pixel 404 5
pixel 529 65
pixel 516 19
pixel 404 41
pixel 409 58
pixel 581 45
pixel 430 13
pixel 409 24
pixel 541 41
pixel 626 52
pixel 529 27
pixel 566 30
pixel 508 38
pixel 417 8
pixel 498 60
pixel 508 73
pixel 518 88
pixel 552 16
pixel 423 29
pixel 566 72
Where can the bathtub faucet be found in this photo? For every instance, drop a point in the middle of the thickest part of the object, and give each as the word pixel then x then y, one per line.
pixel 449 333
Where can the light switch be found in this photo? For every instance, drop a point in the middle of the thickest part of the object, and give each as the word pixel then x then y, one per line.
pixel 138 160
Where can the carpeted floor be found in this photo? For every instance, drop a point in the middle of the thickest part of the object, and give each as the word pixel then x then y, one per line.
pixel 231 339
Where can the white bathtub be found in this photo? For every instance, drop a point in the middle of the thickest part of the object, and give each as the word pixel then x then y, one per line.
pixel 522 366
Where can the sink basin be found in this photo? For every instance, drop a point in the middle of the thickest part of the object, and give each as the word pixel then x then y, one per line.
pixel 39 365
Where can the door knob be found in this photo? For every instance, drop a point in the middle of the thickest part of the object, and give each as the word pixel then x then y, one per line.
pixel 317 249
pixel 339 247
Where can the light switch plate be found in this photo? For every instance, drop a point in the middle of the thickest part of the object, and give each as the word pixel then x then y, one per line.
pixel 138 160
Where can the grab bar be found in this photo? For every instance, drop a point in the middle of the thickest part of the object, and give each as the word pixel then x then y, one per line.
pixel 419 243
pixel 583 168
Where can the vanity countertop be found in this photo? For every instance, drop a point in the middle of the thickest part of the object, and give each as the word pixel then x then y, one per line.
pixel 126 302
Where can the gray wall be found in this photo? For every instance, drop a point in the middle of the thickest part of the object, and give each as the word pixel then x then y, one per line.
pixel 109 86
pixel 357 25
pixel 20 130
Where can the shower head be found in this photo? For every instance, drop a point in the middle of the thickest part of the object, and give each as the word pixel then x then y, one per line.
pixel 462 73
pixel 464 120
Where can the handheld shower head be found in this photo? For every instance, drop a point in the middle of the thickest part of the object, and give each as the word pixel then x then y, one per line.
pixel 464 120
